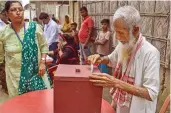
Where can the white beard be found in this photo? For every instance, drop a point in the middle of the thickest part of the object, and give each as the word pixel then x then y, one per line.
pixel 126 49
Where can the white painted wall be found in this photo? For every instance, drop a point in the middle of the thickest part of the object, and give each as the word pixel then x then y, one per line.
pixel 27 14
pixel 24 2
pixel 63 10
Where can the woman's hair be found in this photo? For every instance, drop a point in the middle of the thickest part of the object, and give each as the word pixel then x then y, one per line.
pixel 66 16
pixel 43 15
pixel 107 21
pixel 8 5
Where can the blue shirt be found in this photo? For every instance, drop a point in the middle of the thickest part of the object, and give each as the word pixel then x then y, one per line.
pixel 51 31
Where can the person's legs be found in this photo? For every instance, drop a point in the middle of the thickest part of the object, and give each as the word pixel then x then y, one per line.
pixel 81 53
pixel 87 51
pixel 84 52
pixel 92 48
pixel 53 47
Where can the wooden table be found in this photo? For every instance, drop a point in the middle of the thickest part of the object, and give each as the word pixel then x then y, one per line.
pixel 38 102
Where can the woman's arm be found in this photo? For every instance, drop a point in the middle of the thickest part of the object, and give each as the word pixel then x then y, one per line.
pixel 2 49
pixel 42 44
pixel 2 52
pixel 42 66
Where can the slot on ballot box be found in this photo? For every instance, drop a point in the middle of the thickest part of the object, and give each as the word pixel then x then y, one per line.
pixel 73 93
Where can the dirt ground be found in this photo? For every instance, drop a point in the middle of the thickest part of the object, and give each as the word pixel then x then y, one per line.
pixel 3 96
pixel 106 95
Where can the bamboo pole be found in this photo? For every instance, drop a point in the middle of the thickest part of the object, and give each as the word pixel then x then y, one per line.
pixel 141 13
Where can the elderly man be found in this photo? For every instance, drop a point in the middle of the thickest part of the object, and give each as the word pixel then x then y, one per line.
pixel 135 82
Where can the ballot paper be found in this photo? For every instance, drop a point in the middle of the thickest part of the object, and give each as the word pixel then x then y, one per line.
pixel 49 58
pixel 92 67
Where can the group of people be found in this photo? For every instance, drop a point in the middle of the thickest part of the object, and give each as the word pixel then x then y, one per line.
pixel 136 62
pixel 66 39
pixel 63 41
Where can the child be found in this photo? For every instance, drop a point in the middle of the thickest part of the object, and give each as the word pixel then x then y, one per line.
pixel 75 34
pixel 102 42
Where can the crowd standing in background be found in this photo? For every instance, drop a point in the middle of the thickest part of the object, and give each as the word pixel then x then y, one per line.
pixel 67 50
pixel 65 44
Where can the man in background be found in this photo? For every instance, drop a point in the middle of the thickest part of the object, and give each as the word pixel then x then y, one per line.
pixel 51 31
pixel 3 19
pixel 85 34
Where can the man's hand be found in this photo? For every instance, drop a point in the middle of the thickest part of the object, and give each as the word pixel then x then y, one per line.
pixel 42 69
pixel 103 79
pixel 95 59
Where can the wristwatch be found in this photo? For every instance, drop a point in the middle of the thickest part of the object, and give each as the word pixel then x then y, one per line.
pixel 43 59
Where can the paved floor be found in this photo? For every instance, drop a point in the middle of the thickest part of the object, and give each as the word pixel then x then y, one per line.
pixel 3 96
